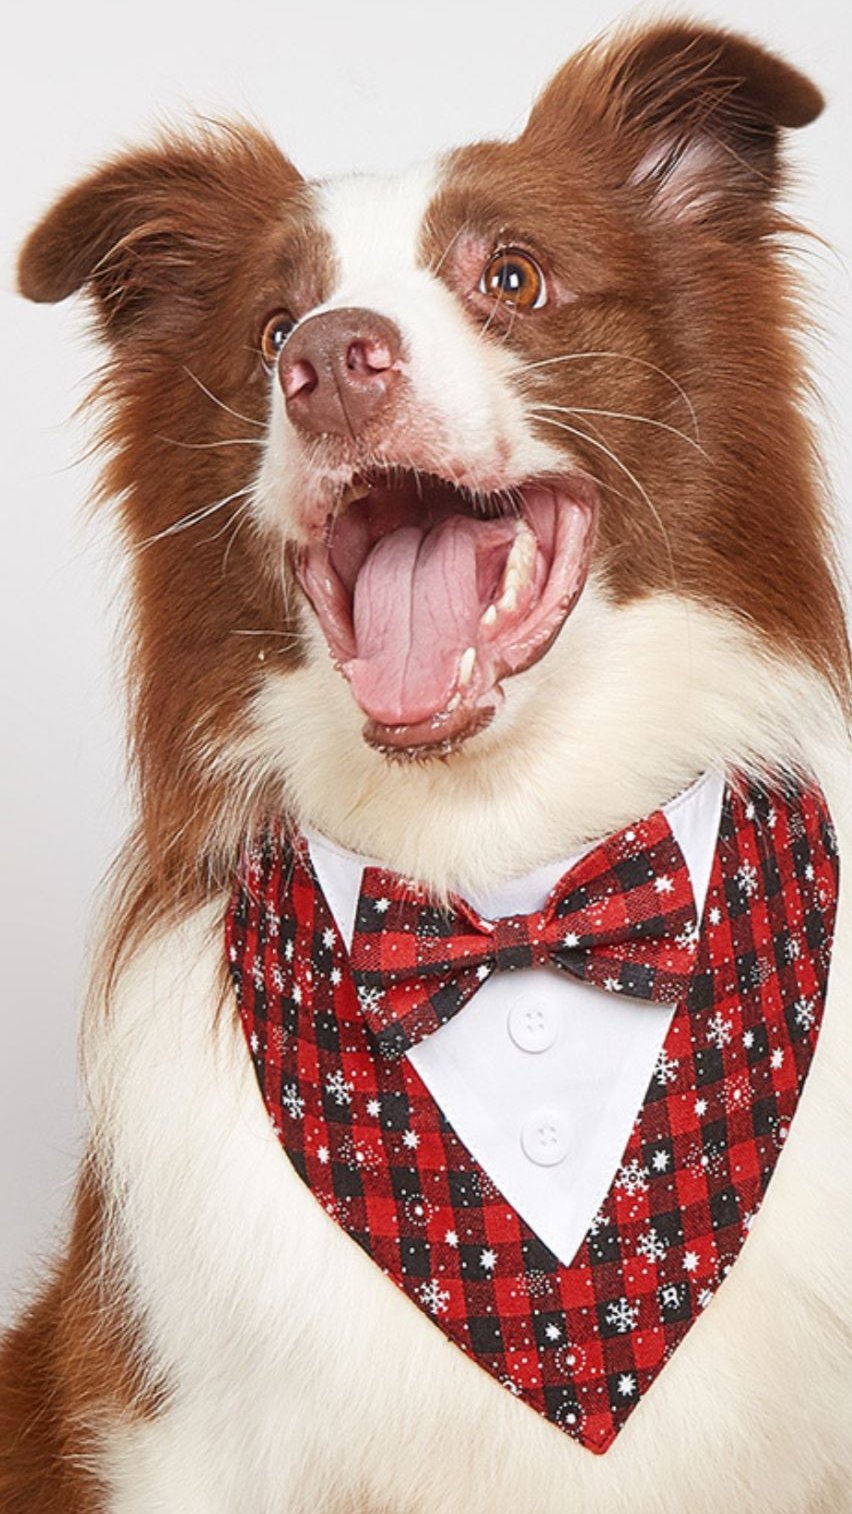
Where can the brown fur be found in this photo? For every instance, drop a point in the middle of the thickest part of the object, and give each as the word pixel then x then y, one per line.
pixel 186 248
pixel 74 1352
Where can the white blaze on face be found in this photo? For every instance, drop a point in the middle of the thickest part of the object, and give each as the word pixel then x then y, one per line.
pixel 462 415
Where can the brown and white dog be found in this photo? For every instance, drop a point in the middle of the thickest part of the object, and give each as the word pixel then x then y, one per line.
pixel 572 357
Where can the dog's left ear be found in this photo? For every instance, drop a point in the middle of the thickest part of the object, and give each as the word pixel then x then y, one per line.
pixel 693 115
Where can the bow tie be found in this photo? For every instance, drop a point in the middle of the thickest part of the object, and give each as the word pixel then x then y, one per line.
pixel 623 919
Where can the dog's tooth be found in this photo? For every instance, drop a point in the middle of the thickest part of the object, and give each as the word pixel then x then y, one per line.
pixel 351 494
pixel 490 616
pixel 508 599
pixel 466 666
pixel 519 563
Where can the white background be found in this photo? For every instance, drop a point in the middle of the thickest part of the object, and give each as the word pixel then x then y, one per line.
pixel 342 85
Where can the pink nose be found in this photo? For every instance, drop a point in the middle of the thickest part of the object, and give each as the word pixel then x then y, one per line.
pixel 338 370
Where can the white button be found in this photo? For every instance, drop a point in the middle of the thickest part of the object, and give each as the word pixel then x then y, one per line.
pixel 532 1024
pixel 544 1138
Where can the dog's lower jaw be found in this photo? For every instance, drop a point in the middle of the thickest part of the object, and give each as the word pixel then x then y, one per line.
pixel 628 706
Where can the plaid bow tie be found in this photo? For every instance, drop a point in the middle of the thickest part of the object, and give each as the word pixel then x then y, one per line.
pixel 623 918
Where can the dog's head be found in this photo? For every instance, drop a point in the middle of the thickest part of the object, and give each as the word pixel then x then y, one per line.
pixel 387 439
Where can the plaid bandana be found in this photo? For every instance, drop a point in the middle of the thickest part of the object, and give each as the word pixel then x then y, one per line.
pixel 581 1342
pixel 623 918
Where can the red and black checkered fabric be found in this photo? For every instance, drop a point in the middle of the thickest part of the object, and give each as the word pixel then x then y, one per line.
pixel 623 919
pixel 581 1343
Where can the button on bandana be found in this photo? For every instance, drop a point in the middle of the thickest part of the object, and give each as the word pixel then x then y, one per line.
pixel 581 1343
pixel 623 919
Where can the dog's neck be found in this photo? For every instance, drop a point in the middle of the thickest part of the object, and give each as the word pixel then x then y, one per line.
pixel 630 706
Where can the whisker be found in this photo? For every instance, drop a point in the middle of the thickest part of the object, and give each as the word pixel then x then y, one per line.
pixel 249 420
pixel 239 519
pixel 584 436
pixel 282 635
pixel 623 415
pixel 231 441
pixel 624 357
pixel 194 517
pixel 447 250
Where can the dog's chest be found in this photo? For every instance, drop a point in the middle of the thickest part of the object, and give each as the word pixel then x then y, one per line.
pixel 300 1372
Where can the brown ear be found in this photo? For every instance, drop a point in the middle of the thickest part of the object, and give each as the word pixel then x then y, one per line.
pixel 693 109
pixel 153 232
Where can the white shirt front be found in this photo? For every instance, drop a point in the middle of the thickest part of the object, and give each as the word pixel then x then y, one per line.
pixel 542 1076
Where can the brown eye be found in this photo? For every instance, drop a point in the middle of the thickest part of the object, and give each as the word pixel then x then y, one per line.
pixel 514 278
pixel 274 335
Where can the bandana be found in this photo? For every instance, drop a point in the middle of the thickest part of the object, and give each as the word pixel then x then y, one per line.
pixel 580 1342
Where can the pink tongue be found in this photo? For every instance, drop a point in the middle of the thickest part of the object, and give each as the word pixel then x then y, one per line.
pixel 416 608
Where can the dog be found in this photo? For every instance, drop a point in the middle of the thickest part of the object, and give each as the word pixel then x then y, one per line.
pixel 473 515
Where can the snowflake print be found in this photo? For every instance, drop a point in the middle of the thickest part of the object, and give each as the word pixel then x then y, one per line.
pixel 746 877
pixel 793 949
pixel 336 976
pixel 292 1101
pixel 804 1013
pixel 690 1261
pixel 632 1177
pixel 737 1091
pixel 663 884
pixel 357 1156
pixel 704 1297
pixel 700 1107
pixel 748 1039
pixel 277 978
pixel 666 1068
pixel 488 1260
pixel 339 1088
pixel 254 1042
pixel 553 1333
pixel 651 1246
pixel 660 1160
pixel 288 951
pixel 328 937
pixel 374 1108
pixel 776 1060
pixel 719 1030
pixel 626 1385
pixel 451 1238
pixel 381 906
pixel 410 1139
pixel 715 915
pixel 689 937
pixel 370 999
pixel 433 1297
pixel 539 1284
pixel 571 940
pixel 623 1315
pixel 598 1223
pixel 418 1211
pixel 323 1155
pixel 257 973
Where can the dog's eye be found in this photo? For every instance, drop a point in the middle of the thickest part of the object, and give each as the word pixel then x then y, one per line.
pixel 514 278
pixel 274 335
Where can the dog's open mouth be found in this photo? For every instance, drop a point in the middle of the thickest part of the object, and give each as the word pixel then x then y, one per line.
pixel 429 597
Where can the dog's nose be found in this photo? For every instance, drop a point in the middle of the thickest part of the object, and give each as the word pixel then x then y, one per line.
pixel 338 370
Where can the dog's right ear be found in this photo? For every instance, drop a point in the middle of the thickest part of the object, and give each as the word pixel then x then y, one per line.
pixel 153 234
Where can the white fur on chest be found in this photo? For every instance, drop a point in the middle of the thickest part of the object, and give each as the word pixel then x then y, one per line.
pixel 304 1381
